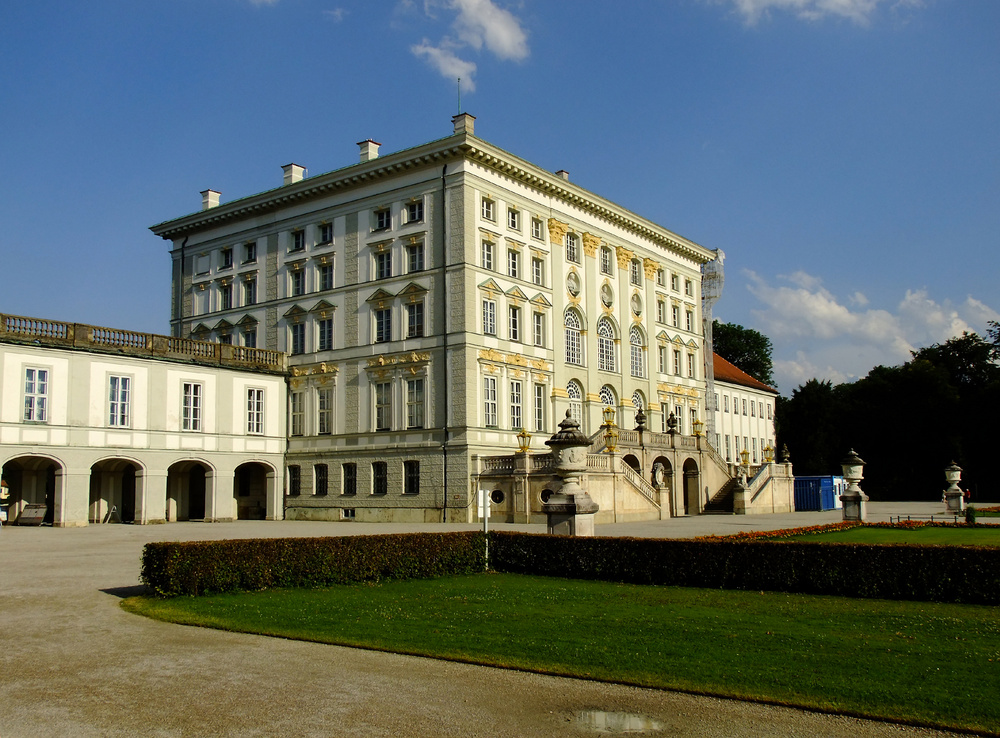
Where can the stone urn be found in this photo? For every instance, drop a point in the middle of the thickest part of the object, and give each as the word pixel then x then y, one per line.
pixel 853 498
pixel 954 498
pixel 569 510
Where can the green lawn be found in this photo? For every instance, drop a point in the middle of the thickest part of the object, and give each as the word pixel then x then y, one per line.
pixel 932 535
pixel 930 663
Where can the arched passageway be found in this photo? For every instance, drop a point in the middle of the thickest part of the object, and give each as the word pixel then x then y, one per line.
pixel 250 487
pixel 632 461
pixel 113 491
pixel 33 480
pixel 187 491
pixel 692 484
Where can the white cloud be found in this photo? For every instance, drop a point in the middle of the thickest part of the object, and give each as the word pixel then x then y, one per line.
pixel 478 25
pixel 263 2
pixel 336 15
pixel 858 11
pixel 815 334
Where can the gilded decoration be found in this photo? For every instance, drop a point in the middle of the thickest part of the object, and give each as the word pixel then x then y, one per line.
pixel 517 360
pixel 590 244
pixel 488 236
pixel 540 378
pixel 557 230
pixel 650 266
pixel 559 392
pixel 491 355
pixel 296 383
pixel 489 368
pixel 516 373
pixel 624 256
pixel 593 397
pixel 411 357
pixel 541 365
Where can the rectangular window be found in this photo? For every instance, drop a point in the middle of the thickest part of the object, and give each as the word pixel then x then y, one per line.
pixel 226 338
pixel 250 338
pixel 119 402
pixel 380 478
pixel 227 258
pixel 415 257
pixel 383 219
pixel 490 401
pixel 383 265
pixel 679 417
pixel 691 365
pixel 325 334
pixel 675 282
pixel 415 320
pixel 536 228
pixel 677 362
pixel 250 291
pixel 350 472
pixel 662 360
pixel 606 260
pixel 383 325
pixel 753 409
pixel 572 248
pixel 326 233
pixel 753 442
pixel 729 455
pixel 675 316
pixel 513 219
pixel 744 411
pixel 489 317
pixel 415 211
pixel 298 342
pixel 298 282
pixel 411 477
pixel 725 403
pixel 324 404
pixel 760 409
pixel 688 287
pixel 487 255
pixel 661 278
pixel 298 240
pixel 322 479
pixel 383 406
pixel 537 272
pixel 538 328
pixel 514 323
pixel 415 403
pixel 226 297
pixel 513 264
pixel 489 211
pixel 325 277
pixel 539 407
pixel 635 272
pixel 515 405
pixel 296 405
pixel 769 411
pixel 250 252
pixel 255 411
pixel 661 311
pixel 689 320
pixel 294 480
pixel 191 410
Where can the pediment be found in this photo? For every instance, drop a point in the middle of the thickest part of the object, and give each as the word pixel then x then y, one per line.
pixel 379 295
pixel 412 289
pixel 295 311
pixel 322 307
pixel 247 320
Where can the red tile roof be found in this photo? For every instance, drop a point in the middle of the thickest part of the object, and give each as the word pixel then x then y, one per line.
pixel 727 372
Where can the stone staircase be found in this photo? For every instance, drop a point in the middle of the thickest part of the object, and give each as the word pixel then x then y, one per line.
pixel 722 502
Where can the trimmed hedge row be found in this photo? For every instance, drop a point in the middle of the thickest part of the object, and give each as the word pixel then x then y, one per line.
pixel 203 567
pixel 966 574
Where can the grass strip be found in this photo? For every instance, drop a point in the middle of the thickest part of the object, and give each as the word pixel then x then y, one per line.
pixel 925 663
pixel 924 535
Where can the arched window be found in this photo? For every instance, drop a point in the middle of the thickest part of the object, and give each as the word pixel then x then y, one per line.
pixel 637 402
pixel 574 350
pixel 636 352
pixel 575 393
pixel 605 345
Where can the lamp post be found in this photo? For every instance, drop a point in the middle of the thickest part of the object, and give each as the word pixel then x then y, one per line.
pixel 611 431
pixel 609 416
pixel 745 457
pixel 698 427
pixel 523 441
pixel 768 453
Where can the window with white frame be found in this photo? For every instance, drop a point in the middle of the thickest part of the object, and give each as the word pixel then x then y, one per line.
pixel 691 370
pixel 539 407
pixel 250 252
pixel 488 209
pixel 538 328
pixel 250 291
pixel 119 401
pixel 415 319
pixel 729 455
pixel 514 323
pixel 537 272
pixel 536 228
pixel 487 255
pixel 661 359
pixel 298 240
pixel 226 297
pixel 326 233
pixel 637 401
pixel 515 405
pixel 415 211
pixel 753 409
pixel 661 311
pixel 297 413
pixel 638 365
pixel 191 407
pixel 383 325
pixel 513 219
pixel 675 282
pixel 383 219
pixel 635 272
pixel 661 278
pixel 675 316
pixel 383 406
pixel 607 260
pixel 255 411
pixel 415 257
pixel 250 338
pixel 227 259
pixel 572 248
pixel 688 287
pixel 574 346
pixel 415 403
pixel 744 410
pixel 324 414
pixel 513 264
pixel 753 442
pixel 679 417
pixel 575 394
pixel 677 362
pixel 608 398
pixel 689 320
pixel 769 411
pixel 325 326
pixel 605 345
pixel 489 317
pixel 725 403
pixel 383 264
pixel 298 279
pixel 298 338
pixel 490 402
pixel 325 277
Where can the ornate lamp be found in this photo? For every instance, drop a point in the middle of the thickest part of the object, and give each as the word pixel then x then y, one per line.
pixel 523 441
pixel 698 427
pixel 611 438
pixel 768 453
pixel 609 416
pixel 745 455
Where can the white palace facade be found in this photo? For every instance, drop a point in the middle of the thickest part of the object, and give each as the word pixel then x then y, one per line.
pixel 433 303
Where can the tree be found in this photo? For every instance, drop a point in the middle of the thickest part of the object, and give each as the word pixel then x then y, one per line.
pixel 748 349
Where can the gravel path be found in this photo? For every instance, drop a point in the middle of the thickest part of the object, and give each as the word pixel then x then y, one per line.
pixel 72 663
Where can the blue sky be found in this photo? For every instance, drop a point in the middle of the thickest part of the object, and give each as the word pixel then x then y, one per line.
pixel 845 154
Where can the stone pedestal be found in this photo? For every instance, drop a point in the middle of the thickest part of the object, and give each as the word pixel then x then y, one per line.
pixel 853 499
pixel 953 497
pixel 570 510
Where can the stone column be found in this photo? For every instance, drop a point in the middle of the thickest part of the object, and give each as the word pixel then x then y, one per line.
pixel 570 510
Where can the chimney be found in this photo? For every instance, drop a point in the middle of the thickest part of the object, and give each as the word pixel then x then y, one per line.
pixel 293 173
pixel 464 123
pixel 369 149
pixel 563 173
pixel 209 199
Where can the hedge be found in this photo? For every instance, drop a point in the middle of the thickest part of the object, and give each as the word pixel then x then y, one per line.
pixel 965 574
pixel 202 567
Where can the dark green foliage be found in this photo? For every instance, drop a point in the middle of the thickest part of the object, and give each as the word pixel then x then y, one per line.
pixel 965 574
pixel 201 567
pixel 748 349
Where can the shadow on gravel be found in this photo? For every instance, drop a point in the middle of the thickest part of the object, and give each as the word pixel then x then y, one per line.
pixel 124 592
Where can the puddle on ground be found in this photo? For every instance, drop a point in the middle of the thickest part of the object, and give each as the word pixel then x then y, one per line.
pixel 601 721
